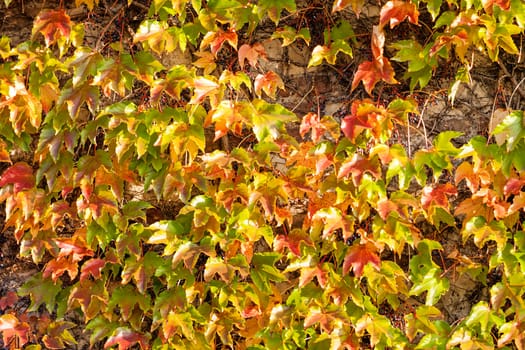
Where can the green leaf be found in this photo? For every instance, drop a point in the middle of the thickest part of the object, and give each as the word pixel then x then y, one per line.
pixel 269 119
pixel 42 291
pixel 512 128
pixel 274 8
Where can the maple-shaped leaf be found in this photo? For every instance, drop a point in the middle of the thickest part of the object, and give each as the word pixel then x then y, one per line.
pixel 269 83
pixel 308 274
pixel 20 175
pixel 126 298
pixel 206 61
pixel 465 171
pixel 489 4
pixel 126 338
pixel 8 300
pixel 58 335
pixel 513 186
pixel 52 24
pixel 14 331
pixel 316 315
pixel 160 37
pixel 358 166
pixel 396 11
pixel 203 87
pixel 92 267
pixel 385 207
pixel 292 241
pixel 91 296
pixel 251 53
pixel 274 8
pixel 333 219
pixel 340 5
pixel 42 291
pixel 75 97
pixel 312 122
pixel 290 34
pixel 215 40
pixel 371 72
pixel 74 246
pixel 58 266
pixel 437 195
pixel 358 256
pixel 114 75
pixel 268 119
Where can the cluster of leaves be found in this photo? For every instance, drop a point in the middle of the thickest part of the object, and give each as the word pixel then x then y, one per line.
pixel 235 265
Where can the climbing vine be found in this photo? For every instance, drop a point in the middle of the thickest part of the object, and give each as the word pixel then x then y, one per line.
pixel 232 263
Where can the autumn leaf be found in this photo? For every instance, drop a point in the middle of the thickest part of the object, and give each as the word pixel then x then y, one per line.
pixel 274 8
pixel 312 121
pixel 340 5
pixel 437 195
pixel 8 300
pixel 396 11
pixel 251 53
pixel 308 274
pixel 371 72
pixel 489 4
pixel 269 83
pixel 12 328
pixel 206 61
pixel 125 338
pixel 52 24
pixel 292 241
pixel 358 256
pixel 358 166
pixel 325 320
pixel 289 35
pixel 215 40
pixel 92 267
pixel 20 175
pixel 203 87
pixel 513 186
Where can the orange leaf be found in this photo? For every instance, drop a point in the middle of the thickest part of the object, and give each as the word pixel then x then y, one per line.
pixel 11 329
pixel 312 121
pixel 202 88
pixel 58 266
pixel 397 11
pixel 358 166
pixel 513 186
pixel 251 53
pixel 385 207
pixel 292 241
pixel 125 338
pixel 92 267
pixel 216 39
pixel 358 256
pixel 20 175
pixel 269 83
pixel 438 195
pixel 489 4
pixel 52 23
pixel 371 72
pixel 340 5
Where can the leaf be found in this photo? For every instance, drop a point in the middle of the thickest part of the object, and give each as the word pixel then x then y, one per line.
pixel 396 11
pixel 371 72
pixel 274 8
pixel 489 4
pixel 269 119
pixel 13 331
pixel 8 300
pixel 127 298
pixel 358 256
pixel 52 24
pixel 58 335
pixel 58 266
pixel 20 175
pixel 251 53
pixel 160 37
pixel 215 40
pixel 75 97
pixel 203 87
pixel 206 61
pixel 437 195
pixel 290 34
pixel 358 166
pixel 292 241
pixel 269 83
pixel 125 338
pixel 92 267
pixel 340 5
pixel 512 128
pixel 42 291
pixel 89 3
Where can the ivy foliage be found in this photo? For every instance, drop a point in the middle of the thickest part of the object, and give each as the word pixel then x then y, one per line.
pixel 234 264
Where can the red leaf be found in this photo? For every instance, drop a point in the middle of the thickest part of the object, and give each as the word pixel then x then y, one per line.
pixel 371 72
pixel 251 311
pixel 292 241
pixel 20 175
pixel 397 11
pixel 438 195
pixel 11 329
pixel 513 186
pixel 268 83
pixel 251 53
pixel 340 5
pixel 52 24
pixel 489 4
pixel 358 166
pixel 8 300
pixel 58 266
pixel 358 256
pixel 324 319
pixel 308 274
pixel 92 267
pixel 312 121
pixel 125 338
pixel 216 39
